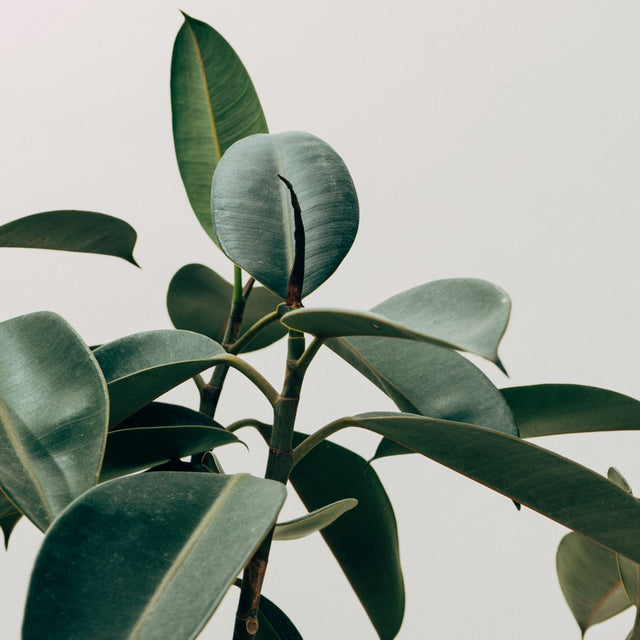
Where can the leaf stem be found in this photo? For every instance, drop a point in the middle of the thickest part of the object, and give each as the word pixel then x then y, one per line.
pixel 252 331
pixel 262 427
pixel 317 437
pixel 309 354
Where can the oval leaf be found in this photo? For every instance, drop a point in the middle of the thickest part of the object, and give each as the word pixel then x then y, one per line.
pixel 199 300
pixel 53 415
pixel 166 534
pixel 556 487
pixel 314 521
pixel 548 409
pixel 364 540
pixel 213 105
pixel 143 366
pixel 83 231
pixel 134 449
pixel 428 380
pixel 589 580
pixel 253 217
pixel 463 314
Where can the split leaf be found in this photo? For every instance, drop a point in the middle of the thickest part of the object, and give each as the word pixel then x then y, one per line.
pixel 253 216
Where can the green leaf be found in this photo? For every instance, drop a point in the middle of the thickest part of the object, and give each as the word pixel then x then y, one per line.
pixel 615 476
pixel 163 414
pixel 556 487
pixel 175 533
pixel 428 380
pixel 134 449
pixel 314 521
pixel 589 580
pixel 630 577
pixel 199 300
pixel 253 216
pixel 273 623
pixel 53 415
pixel 364 540
pixel 7 524
pixel 460 313
pixel 83 231
pixel 548 409
pixel 213 104
pixel 143 366
pixel 9 517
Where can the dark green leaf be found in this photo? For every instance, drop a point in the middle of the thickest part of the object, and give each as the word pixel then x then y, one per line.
pixel 83 231
pixel 428 380
pixel 557 487
pixel 199 300
pixel 7 524
pixel 274 623
pixel 364 540
pixel 145 365
pixel 163 414
pixel 253 217
pixel 589 580
pixel 213 103
pixel 133 449
pixel 460 313
pixel 314 521
pixel 53 415
pixel 548 409
pixel 175 533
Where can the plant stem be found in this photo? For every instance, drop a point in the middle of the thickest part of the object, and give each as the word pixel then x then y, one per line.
pixel 279 467
pixel 210 392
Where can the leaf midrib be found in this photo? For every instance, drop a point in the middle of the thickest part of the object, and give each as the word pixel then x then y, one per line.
pixel 182 556
pixel 214 131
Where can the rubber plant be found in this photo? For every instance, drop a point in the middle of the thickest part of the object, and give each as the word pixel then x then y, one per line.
pixel 149 555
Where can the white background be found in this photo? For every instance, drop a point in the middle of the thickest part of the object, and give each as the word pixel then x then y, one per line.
pixel 494 139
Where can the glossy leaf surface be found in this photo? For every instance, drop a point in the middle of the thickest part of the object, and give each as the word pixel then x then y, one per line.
pixel 175 532
pixel 548 409
pixel 53 415
pixel 546 482
pixel 428 380
pixel 589 580
pixel 143 366
pixel 364 540
pixel 253 216
pixel 463 314
pixel 199 300
pixel 134 449
pixel 213 104
pixel 83 231
pixel 314 521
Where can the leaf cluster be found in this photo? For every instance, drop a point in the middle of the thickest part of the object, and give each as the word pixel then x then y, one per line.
pixel 151 554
